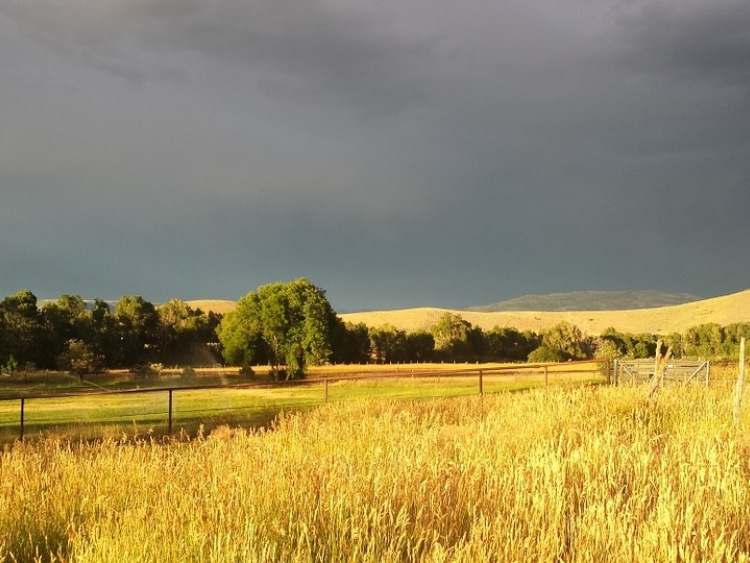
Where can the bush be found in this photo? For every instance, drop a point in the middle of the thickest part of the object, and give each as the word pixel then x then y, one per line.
pixel 545 354
pixel 80 359
pixel 147 371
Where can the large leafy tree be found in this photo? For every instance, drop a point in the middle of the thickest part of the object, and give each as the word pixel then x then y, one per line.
pixel 185 334
pixel 137 327
pixel 456 339
pixel 351 343
pixel 65 320
pixel 290 323
pixel 22 331
pixel 563 341
pixel 388 344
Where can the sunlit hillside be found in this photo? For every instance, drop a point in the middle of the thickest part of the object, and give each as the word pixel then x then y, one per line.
pixel 216 305
pixel 723 310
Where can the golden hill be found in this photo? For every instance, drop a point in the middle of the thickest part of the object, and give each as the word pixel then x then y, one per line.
pixel 216 305
pixel 723 310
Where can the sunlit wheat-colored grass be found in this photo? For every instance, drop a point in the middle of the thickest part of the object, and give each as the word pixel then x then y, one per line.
pixel 594 474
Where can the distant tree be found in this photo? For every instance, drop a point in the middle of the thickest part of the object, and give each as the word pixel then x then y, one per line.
pixel 544 354
pixel 184 334
pixel 420 346
pixel 350 343
pixel 611 344
pixel 80 359
pixel 568 340
pixel 450 331
pixel 388 344
pixel 65 320
pixel 704 341
pixel 507 344
pixel 456 339
pixel 137 328
pixel 240 335
pixel 105 334
pixel 293 322
pixel 22 331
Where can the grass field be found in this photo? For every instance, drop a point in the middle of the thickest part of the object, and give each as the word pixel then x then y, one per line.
pixel 146 412
pixel 556 474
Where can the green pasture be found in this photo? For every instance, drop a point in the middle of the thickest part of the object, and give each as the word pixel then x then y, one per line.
pixel 147 411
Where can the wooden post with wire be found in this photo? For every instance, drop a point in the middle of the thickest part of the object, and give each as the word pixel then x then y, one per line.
pixel 660 366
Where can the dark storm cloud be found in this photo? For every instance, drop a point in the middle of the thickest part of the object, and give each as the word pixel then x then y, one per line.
pixel 397 153
pixel 697 39
pixel 335 53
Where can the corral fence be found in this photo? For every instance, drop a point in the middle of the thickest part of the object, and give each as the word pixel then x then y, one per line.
pixel 478 378
pixel 637 372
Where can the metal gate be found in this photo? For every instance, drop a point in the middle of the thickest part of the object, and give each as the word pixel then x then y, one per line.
pixel 637 372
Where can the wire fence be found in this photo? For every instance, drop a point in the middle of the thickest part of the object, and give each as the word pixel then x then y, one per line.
pixel 164 410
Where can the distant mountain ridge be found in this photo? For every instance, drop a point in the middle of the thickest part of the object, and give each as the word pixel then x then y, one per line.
pixel 589 301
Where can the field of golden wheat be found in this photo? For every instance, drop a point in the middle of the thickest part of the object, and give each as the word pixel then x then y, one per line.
pixel 590 474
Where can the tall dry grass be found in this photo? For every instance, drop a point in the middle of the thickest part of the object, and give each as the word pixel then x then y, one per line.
pixel 573 475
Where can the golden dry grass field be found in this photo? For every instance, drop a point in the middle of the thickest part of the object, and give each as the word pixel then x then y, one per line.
pixel 723 310
pixel 588 474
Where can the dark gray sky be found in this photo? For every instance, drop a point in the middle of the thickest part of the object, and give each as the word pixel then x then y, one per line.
pixel 396 153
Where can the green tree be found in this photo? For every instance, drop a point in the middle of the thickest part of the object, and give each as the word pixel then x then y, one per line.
pixel 22 331
pixel 79 358
pixel 292 322
pixel 568 340
pixel 65 320
pixel 185 334
pixel 137 329
pixel 350 343
pixel 105 334
pixel 456 339
pixel 388 344
pixel 611 344
pixel 508 344
pixel 545 354
pixel 420 346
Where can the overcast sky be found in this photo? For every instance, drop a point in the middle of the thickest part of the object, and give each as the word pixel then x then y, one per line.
pixel 396 153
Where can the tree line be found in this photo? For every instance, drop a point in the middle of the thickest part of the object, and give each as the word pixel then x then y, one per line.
pixel 67 334
pixel 290 326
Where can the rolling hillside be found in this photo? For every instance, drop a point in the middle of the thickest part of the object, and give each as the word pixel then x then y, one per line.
pixel 221 306
pixel 589 301
pixel 724 310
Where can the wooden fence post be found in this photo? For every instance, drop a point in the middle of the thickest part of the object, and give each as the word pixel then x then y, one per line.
pixel 740 382
pixel 481 383
pixel 325 391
